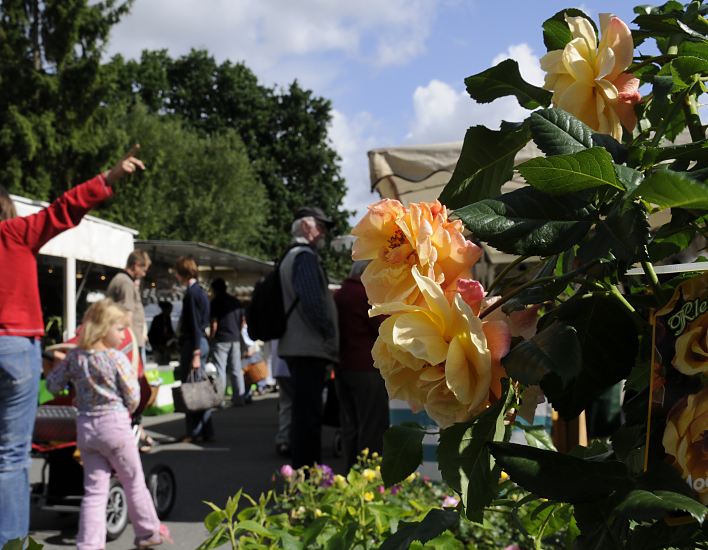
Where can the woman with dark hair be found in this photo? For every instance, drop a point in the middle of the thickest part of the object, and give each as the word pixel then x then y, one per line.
pixel 193 344
pixel 21 327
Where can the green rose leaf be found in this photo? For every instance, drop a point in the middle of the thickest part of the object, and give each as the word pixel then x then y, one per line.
pixel 537 436
pixel 669 189
pixel 557 132
pixel 564 174
pixel 558 476
pixel 666 25
pixel 624 233
pixel 528 222
pixel 251 526
pixel 697 150
pixel 433 524
pixel 660 535
pixel 641 505
pixel 609 342
pixel 464 459
pixel 686 71
pixel 628 177
pixel 486 163
pixel 403 452
pixel 503 80
pixel 556 349
pixel 556 33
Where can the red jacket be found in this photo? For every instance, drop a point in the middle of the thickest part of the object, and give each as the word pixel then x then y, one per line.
pixel 20 240
pixel 357 331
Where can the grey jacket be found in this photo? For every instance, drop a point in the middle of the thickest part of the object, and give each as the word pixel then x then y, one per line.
pixel 301 338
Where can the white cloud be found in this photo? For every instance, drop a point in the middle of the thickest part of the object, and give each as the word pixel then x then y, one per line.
pixel 529 65
pixel 268 33
pixel 443 113
pixel 352 137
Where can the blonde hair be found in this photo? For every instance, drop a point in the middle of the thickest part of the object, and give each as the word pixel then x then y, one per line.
pixel 98 320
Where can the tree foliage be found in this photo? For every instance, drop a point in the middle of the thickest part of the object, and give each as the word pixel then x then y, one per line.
pixel 209 129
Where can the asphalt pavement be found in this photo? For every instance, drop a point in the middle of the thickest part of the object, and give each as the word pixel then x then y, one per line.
pixel 242 456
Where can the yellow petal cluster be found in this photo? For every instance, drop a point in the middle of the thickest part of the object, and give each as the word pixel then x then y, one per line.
pixel 691 356
pixel 684 439
pixel 397 238
pixel 439 355
pixel 589 79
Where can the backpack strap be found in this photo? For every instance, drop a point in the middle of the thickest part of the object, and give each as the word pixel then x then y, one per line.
pixel 297 298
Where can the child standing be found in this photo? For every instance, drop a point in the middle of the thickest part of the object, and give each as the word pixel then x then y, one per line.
pixel 107 391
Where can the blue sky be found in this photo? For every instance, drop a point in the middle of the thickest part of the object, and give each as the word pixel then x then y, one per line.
pixel 393 69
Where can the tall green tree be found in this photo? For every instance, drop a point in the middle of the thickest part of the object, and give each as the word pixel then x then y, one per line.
pixel 284 130
pixel 52 115
pixel 207 180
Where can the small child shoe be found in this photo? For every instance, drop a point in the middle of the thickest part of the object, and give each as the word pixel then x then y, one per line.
pixel 163 535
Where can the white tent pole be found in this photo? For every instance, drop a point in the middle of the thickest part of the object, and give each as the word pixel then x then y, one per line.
pixel 69 297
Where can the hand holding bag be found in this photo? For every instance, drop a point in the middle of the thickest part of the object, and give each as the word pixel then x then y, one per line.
pixel 198 393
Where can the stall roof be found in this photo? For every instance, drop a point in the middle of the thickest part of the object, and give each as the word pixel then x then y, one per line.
pixel 420 172
pixel 93 240
pixel 206 255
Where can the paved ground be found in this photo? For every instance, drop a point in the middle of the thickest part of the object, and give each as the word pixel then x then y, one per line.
pixel 242 456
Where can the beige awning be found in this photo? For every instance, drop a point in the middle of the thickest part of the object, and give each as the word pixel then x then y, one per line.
pixel 420 172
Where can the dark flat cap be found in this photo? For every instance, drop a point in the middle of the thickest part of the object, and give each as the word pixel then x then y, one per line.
pixel 316 213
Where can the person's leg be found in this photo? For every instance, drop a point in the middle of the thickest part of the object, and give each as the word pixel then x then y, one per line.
pixel 118 446
pixel 97 478
pixel 20 365
pixel 347 417
pixel 185 369
pixel 219 356
pixel 308 380
pixel 238 385
pixel 285 409
pixel 369 393
pixel 204 427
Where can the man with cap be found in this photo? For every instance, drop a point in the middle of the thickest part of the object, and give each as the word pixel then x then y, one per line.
pixel 311 340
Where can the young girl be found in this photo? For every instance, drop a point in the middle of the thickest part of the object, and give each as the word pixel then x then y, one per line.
pixel 107 391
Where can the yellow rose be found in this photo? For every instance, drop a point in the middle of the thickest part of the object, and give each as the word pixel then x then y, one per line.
pixel 691 355
pixel 396 238
pixel 368 496
pixel 589 80
pixel 684 439
pixel 440 355
pixel 369 475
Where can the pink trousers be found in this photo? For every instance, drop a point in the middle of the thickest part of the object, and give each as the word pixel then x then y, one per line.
pixel 107 444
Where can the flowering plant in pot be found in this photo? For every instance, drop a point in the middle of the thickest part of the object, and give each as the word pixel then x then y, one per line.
pixel 619 125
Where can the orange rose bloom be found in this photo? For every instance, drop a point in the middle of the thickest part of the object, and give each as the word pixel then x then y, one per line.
pixel 396 239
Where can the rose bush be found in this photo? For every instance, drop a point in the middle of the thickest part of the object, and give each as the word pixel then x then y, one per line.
pixel 607 122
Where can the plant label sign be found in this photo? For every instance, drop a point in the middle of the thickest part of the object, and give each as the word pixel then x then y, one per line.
pixel 678 404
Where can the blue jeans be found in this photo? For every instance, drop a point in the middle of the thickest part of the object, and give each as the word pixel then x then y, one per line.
pixel 227 358
pixel 20 365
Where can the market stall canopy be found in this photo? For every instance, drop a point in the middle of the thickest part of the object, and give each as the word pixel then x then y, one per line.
pixel 93 240
pixel 246 269
pixel 419 173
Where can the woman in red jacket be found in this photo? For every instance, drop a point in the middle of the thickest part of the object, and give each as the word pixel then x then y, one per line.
pixel 21 326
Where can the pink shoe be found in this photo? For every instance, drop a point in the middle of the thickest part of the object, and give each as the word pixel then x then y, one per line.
pixel 163 535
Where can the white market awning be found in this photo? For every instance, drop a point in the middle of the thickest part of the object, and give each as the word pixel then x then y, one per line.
pixel 93 240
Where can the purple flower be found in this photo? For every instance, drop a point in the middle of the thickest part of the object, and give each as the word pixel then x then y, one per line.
pixel 450 502
pixel 327 475
pixel 382 490
pixel 286 471
pixel 395 489
pixel 513 547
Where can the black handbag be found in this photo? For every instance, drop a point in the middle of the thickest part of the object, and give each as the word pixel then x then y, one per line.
pixel 199 393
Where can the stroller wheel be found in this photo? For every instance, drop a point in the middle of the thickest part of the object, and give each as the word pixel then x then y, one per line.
pixel 116 510
pixel 161 483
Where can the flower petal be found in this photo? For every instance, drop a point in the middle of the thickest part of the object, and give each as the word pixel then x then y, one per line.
pixel 616 35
